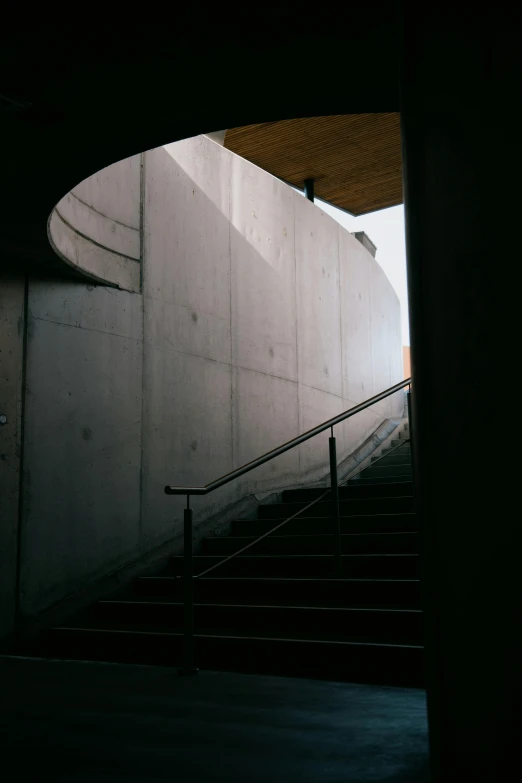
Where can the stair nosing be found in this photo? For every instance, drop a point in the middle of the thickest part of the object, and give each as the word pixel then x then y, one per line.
pixel 269 556
pixel 286 579
pixel 264 606
pixel 349 516
pixel 312 535
pixel 348 500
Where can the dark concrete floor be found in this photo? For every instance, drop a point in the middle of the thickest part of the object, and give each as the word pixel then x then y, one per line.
pixel 81 722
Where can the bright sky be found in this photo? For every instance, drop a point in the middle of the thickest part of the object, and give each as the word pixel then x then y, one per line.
pixel 386 230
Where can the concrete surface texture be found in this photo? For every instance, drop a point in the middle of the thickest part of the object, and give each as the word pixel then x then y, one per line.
pixel 82 722
pixel 258 317
pixel 97 226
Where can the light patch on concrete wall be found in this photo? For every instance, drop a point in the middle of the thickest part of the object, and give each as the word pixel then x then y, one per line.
pixel 210 182
pixel 318 299
pixel 263 284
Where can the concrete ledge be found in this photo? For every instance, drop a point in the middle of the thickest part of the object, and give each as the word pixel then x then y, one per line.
pixel 94 261
pixel 106 232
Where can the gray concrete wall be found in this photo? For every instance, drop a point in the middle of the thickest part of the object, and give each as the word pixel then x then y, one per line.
pixel 258 318
pixel 82 459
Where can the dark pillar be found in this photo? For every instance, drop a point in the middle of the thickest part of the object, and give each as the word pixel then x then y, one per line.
pixel 309 189
pixel 13 336
pixel 460 90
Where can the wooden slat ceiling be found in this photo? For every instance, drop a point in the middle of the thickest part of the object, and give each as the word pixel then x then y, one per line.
pixel 355 159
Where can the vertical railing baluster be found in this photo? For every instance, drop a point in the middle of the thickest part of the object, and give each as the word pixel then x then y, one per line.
pixel 188 594
pixel 335 505
pixel 412 456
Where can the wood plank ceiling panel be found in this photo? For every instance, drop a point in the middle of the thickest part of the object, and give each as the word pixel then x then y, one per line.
pixel 355 159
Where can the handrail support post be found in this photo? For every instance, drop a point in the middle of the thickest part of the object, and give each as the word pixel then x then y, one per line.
pixel 412 447
pixel 336 517
pixel 188 594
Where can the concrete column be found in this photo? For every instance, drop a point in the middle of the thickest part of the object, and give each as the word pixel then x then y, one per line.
pixel 463 176
pixel 12 316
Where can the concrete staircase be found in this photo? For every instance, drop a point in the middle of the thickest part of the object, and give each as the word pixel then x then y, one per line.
pixel 279 608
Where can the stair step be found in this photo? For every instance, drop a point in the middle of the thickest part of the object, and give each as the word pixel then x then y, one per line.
pixel 355 507
pixel 386 471
pixel 386 593
pixel 404 435
pixel 393 459
pixel 380 566
pixel 382 626
pixel 320 544
pixel 400 665
pixel 397 449
pixel 368 482
pixel 282 608
pixel 350 492
pixel 381 523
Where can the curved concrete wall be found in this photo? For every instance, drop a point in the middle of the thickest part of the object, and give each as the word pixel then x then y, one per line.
pixel 258 318
pixel 252 280
pixel 96 228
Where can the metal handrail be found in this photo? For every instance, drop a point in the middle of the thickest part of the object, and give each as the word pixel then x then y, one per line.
pixel 289 519
pixel 188 572
pixel 286 446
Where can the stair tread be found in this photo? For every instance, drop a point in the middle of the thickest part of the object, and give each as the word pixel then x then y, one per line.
pixel 373 564
pixel 381 472
pixel 300 608
pixel 324 525
pixel 343 623
pixel 384 494
pixel 348 485
pixel 369 481
pixel 365 519
pixel 272 555
pixel 345 485
pixel 316 535
pixel 315 542
pixel 179 634
pixel 322 580
pixel 327 502
pixel 405 464
pixel 368 614
pixel 384 662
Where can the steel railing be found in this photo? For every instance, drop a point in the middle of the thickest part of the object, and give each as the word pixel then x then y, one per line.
pixel 333 490
pixel 297 513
